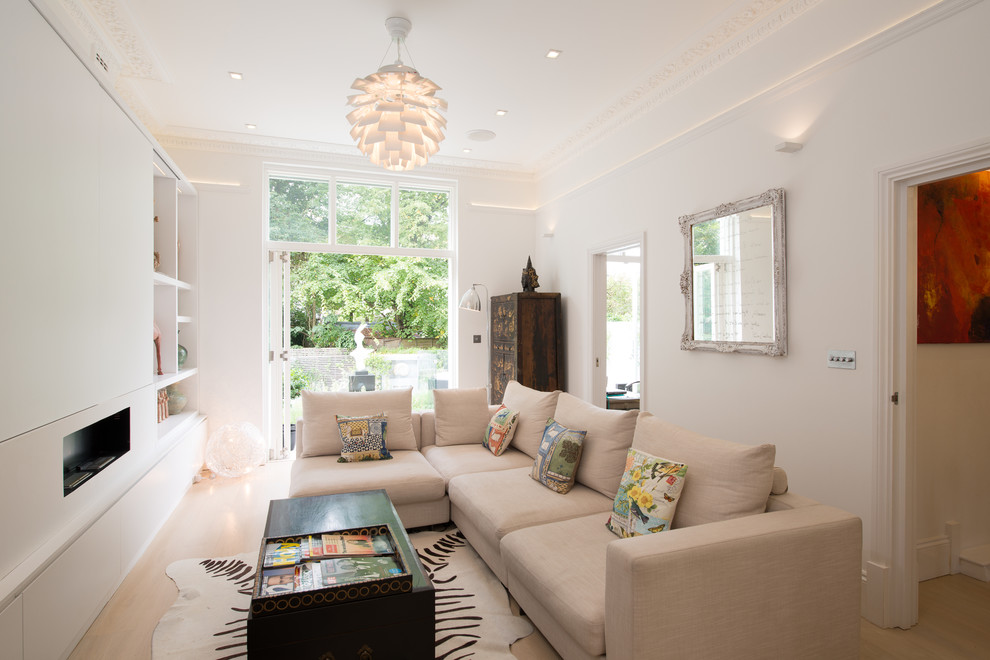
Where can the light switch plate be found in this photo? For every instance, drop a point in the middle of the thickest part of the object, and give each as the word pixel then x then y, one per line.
pixel 842 359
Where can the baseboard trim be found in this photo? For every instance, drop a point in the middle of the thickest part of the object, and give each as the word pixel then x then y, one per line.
pixel 934 556
pixel 873 606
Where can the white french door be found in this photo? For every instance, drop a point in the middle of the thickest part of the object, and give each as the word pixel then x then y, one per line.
pixel 278 411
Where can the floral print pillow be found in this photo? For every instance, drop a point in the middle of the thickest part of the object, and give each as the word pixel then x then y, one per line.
pixel 647 496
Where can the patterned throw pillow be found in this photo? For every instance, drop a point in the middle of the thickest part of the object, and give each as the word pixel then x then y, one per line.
pixel 500 430
pixel 558 457
pixel 363 438
pixel 647 495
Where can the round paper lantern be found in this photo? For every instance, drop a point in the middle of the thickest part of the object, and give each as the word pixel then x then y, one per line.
pixel 234 449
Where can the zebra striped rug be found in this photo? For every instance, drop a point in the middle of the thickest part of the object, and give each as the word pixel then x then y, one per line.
pixel 208 619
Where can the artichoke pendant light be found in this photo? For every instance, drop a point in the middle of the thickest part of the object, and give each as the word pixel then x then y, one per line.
pixel 396 121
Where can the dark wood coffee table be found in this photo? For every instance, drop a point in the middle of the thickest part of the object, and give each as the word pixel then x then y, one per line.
pixel 394 626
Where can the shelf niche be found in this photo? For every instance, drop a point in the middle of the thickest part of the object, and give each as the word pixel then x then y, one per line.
pixel 93 448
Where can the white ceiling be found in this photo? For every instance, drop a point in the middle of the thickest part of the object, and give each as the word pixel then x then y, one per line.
pixel 299 57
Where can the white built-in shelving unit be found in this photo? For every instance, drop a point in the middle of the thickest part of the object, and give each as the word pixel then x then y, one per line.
pixel 81 196
pixel 176 299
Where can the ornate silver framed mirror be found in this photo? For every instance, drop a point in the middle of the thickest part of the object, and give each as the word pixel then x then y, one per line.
pixel 735 277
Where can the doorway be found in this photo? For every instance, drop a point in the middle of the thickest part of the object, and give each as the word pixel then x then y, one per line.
pixel 618 323
pixel 890 596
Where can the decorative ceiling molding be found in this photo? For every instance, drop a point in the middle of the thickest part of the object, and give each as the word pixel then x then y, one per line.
pixel 108 21
pixel 339 155
pixel 132 97
pixel 925 18
pixel 753 24
pixel 88 26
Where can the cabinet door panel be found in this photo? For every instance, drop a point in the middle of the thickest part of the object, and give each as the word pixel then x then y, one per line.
pixel 50 190
pixel 63 601
pixel 125 254
pixel 11 635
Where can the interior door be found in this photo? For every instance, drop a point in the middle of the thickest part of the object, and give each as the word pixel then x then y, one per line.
pixel 617 306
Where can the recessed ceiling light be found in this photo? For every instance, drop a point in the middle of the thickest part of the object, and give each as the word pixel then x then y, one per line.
pixel 251 126
pixel 481 135
pixel 235 75
pixel 467 151
pixel 501 113
pixel 553 54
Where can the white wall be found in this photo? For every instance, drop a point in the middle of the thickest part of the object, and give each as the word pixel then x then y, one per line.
pixel 953 431
pixel 895 104
pixel 493 244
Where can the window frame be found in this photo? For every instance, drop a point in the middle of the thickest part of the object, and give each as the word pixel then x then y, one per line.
pixel 396 182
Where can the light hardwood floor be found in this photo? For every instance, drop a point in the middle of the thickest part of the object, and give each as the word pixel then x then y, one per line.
pixel 222 517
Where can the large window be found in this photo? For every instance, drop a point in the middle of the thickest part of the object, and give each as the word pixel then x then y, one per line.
pixel 360 286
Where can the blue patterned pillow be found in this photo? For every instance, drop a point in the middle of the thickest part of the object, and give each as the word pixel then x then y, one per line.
pixel 558 457
pixel 363 438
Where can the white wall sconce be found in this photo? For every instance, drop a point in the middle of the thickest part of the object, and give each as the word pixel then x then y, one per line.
pixel 788 147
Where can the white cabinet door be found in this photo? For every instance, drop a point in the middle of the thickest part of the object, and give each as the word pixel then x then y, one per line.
pixel 49 224
pixel 11 634
pixel 62 602
pixel 125 255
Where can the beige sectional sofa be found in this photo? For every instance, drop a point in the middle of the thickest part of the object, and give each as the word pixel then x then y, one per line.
pixel 747 570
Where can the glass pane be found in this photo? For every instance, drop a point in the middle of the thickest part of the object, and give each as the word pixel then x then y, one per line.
pixel 622 308
pixel 703 296
pixel 364 214
pixel 396 307
pixel 298 210
pixel 707 237
pixel 424 219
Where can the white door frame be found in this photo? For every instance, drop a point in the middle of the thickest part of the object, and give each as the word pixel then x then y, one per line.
pixel 890 598
pixel 277 410
pixel 596 380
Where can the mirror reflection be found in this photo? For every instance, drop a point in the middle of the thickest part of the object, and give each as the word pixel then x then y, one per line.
pixel 734 277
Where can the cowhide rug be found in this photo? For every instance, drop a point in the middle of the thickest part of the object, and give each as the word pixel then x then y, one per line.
pixel 208 619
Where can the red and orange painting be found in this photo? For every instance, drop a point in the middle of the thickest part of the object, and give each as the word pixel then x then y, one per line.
pixel 954 260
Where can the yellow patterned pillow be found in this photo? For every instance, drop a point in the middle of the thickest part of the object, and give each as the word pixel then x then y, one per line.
pixel 647 495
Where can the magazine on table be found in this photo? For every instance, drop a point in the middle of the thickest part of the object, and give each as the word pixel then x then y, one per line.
pixel 282 554
pixel 352 545
pixel 343 570
pixel 275 581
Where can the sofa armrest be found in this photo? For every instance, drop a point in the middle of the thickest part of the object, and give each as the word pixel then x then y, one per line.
pixel 427 428
pixel 784 584
pixel 788 501
pixel 299 436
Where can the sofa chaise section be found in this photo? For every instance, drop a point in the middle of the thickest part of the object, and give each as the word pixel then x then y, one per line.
pixel 416 489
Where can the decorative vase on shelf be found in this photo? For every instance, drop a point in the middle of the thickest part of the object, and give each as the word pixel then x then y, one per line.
pixel 176 400
pixel 183 354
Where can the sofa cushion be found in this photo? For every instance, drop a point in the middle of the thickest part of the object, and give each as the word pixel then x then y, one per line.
pixel 320 410
pixel 609 436
pixel 521 502
pixel 467 459
pixel 535 408
pixel 500 430
pixel 572 594
pixel 408 477
pixel 461 415
pixel 647 496
pixel 557 461
pixel 725 479
pixel 363 438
